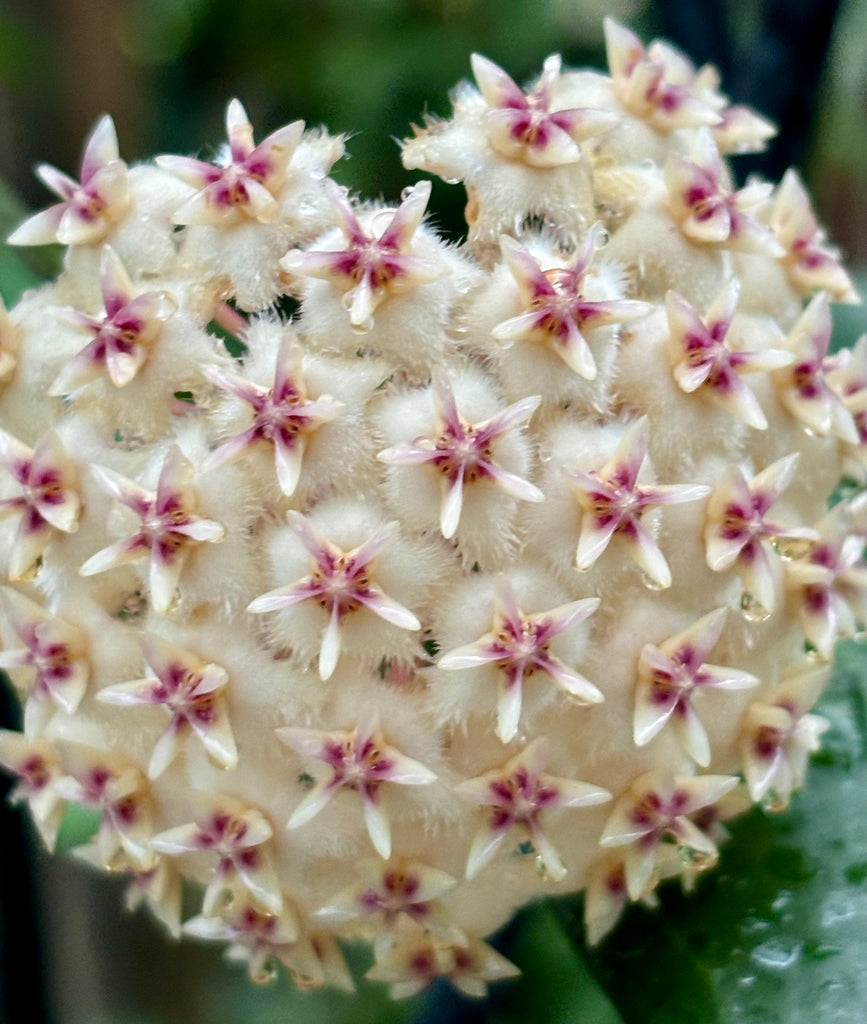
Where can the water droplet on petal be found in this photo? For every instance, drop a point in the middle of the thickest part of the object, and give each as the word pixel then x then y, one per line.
pixel 752 609
pixel 651 583
pixel 267 975
pixel 697 860
pixel 791 548
pixel 774 803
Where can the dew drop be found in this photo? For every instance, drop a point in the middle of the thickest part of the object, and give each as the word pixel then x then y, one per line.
pixel 752 609
pixel 651 583
pixel 267 975
pixel 698 860
pixel 452 181
pixel 776 954
pixel 791 548
pixel 774 803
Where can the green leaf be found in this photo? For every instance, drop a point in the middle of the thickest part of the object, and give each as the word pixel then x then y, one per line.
pixel 556 985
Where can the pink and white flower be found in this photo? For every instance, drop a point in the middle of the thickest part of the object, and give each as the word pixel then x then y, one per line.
pixel 342 583
pixel 169 526
pixel 669 674
pixel 557 313
pixel 702 362
pixel 463 452
pixel 89 210
pixel 283 415
pixel 517 794
pixel 528 127
pixel 738 536
pixel 57 652
pixel 191 690
pixel 239 836
pixel 613 503
pixel 49 501
pixel 248 185
pixel 123 336
pixel 654 810
pixel 518 646
pixel 373 267
pixel 778 735
pixel 359 760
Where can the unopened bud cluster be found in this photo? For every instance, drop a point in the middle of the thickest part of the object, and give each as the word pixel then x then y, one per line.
pixel 378 585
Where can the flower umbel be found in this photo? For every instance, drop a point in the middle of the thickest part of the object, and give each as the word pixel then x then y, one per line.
pixel 435 473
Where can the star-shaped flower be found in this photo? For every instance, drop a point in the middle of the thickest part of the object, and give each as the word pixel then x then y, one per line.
pixel 55 650
pixel 169 526
pixel 654 810
pixel 742 130
pixel 392 891
pixel 518 646
pixel 359 760
pixel 123 337
pixel 707 210
pixel 191 690
pixel 49 501
pixel 810 262
pixel 257 937
pixel 845 373
pixel 778 736
pixel 419 958
pixel 517 794
pixel 247 185
pixel 659 84
pixel 668 676
pixel 89 210
pixel 830 583
pixel 283 415
pixel 703 363
pixel 613 502
pixel 37 767
pixel 157 887
pixel 341 582
pixel 372 268
pixel 463 452
pixel 738 536
pixel 556 311
pixel 802 387
pixel 107 781
pixel 238 834
pixel 606 895
pixel 523 127
pixel 160 890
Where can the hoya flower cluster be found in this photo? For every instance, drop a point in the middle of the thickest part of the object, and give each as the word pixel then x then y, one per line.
pixel 377 585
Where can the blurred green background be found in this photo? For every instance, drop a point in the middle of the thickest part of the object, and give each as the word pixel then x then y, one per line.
pixel 778 935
